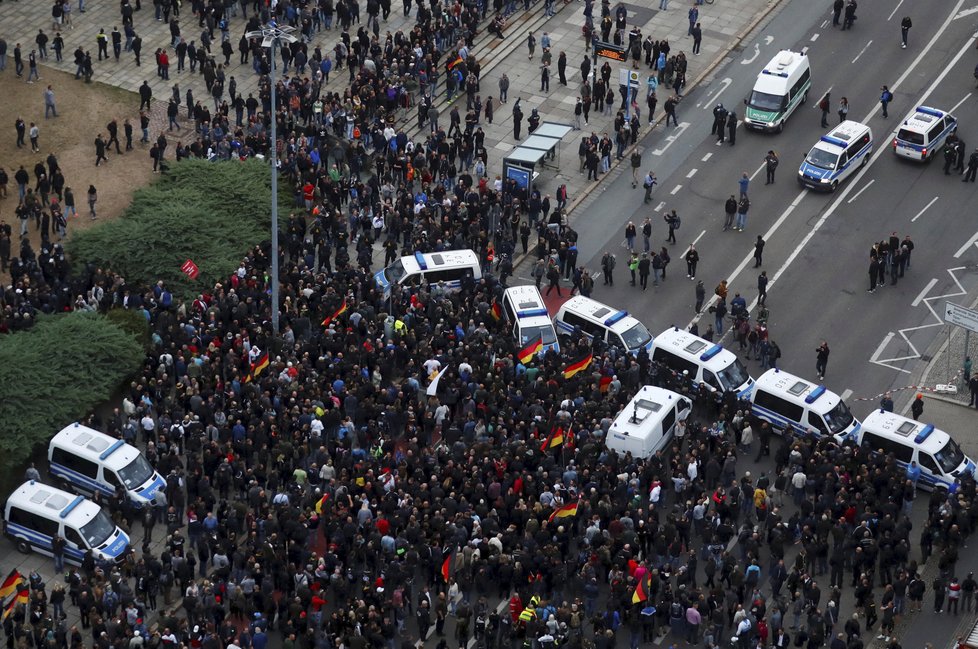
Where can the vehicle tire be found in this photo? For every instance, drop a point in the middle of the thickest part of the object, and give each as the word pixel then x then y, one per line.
pixel 804 98
pixel 780 128
pixel 23 546
pixel 835 185
pixel 865 160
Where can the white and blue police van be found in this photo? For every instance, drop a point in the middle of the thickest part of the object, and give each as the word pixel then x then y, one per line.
pixel 89 461
pixel 447 268
pixel 528 317
pixel 939 457
pixel 701 361
pixel 602 322
pixel 646 425
pixel 836 156
pixel 784 400
pixel 35 513
pixel 923 133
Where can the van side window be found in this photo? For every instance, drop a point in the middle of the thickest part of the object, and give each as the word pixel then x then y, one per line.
pixel 857 146
pixel 800 84
pixel 927 462
pixel 446 275
pixel 815 421
pixel 935 131
pixel 19 516
pixel 711 380
pixel 615 339
pixel 80 465
pixel 72 536
pixel 669 421
pixel 877 443
pixel 46 526
pixel 778 405
pixel 508 308
pixel 675 363
pixel 591 329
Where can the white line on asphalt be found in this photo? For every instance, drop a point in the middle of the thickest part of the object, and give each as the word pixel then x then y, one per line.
pixel 814 37
pixel 659 206
pixel 692 172
pixel 706 157
pixel 824 23
pixel 895 10
pixel 763 164
pixel 697 239
pixel 864 188
pixel 965 247
pixel 675 190
pixel 879 350
pixel 757 53
pixel 672 138
pixel 966 12
pixel 863 51
pixel 804 50
pixel 723 86
pixel 920 213
pixel 920 296
pixel 846 394
pixel 827 91
pixel 957 105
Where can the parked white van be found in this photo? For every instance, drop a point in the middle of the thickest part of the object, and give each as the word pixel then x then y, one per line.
pixel 527 314
pixel 783 400
pixel 939 457
pixel 89 461
pixel 704 362
pixel 781 87
pixel 924 133
pixel 449 267
pixel 647 423
pixel 36 512
pixel 597 320
pixel 836 156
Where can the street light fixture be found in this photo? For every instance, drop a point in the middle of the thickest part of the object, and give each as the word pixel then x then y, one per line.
pixel 273 35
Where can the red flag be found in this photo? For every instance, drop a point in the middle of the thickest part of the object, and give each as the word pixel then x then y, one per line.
pixel 604 384
pixel 190 269
pixel 446 567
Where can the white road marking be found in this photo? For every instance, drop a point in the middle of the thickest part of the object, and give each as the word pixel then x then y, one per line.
pixel 966 12
pixel 675 190
pixel 920 213
pixel 659 206
pixel 892 13
pixel 692 172
pixel 957 105
pixel 967 245
pixel 697 239
pixel 768 40
pixel 814 37
pixel 824 23
pixel 827 91
pixel 757 53
pixel 672 138
pixel 863 51
pixel 886 361
pixel 864 188
pixel 706 157
pixel 845 395
pixel 920 296
pixel 763 164
pixel 804 50
pixel 724 84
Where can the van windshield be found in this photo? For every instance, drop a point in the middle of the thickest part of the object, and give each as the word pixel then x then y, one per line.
pixel 910 136
pixel 136 474
pixel 766 102
pixel 98 530
pixel 544 332
pixel 637 336
pixel 734 375
pixel 839 418
pixel 394 272
pixel 950 457
pixel 822 159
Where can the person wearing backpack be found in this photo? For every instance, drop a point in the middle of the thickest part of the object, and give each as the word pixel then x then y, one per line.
pixel 673 220
pixel 885 98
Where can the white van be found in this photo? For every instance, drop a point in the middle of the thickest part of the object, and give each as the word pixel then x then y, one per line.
pixel 939 457
pixel 704 362
pixel 781 87
pixel 448 267
pixel 528 316
pixel 836 156
pixel 89 461
pixel 647 423
pixel 35 513
pixel 783 400
pixel 596 320
pixel 924 133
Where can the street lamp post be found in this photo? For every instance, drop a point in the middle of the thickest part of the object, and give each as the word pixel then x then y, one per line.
pixel 272 35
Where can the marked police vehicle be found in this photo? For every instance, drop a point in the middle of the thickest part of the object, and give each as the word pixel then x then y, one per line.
pixel 836 156
pixel 783 400
pixel 924 133
pixel 527 314
pixel 36 512
pixel 597 320
pixel 448 267
pixel 781 87
pixel 90 461
pixel 646 425
pixel 702 361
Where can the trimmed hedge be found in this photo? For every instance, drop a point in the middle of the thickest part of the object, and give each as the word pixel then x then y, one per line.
pixel 210 212
pixel 54 373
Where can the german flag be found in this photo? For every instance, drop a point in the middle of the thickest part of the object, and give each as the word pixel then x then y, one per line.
pixel 8 609
pixel 23 596
pixel 446 565
pixel 527 353
pixel 9 585
pixel 458 61
pixel 604 384
pixel 497 311
pixel 321 504
pixel 259 366
pixel 569 437
pixel 555 438
pixel 340 311
pixel 579 366
pixel 564 512
pixel 641 590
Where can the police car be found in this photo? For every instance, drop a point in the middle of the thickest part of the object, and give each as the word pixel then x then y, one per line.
pixel 836 156
pixel 924 133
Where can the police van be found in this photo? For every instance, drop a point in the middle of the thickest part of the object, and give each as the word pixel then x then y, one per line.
pixel 36 512
pixel 448 267
pixel 923 134
pixel 939 457
pixel 599 321
pixel 783 400
pixel 647 423
pixel 527 315
pixel 89 461
pixel 781 87
pixel 702 361
pixel 836 156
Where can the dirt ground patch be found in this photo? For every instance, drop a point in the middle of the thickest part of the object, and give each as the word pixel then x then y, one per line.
pixel 83 112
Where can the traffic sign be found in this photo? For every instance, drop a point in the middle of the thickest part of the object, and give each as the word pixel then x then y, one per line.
pixel 963 317
pixel 629 78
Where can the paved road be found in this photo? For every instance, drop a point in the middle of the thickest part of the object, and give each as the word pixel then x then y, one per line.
pixel 817 245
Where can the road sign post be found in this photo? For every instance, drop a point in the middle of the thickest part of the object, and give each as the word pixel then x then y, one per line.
pixel 967 319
